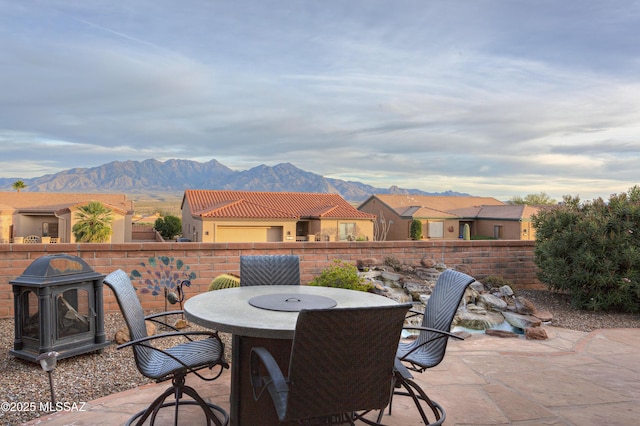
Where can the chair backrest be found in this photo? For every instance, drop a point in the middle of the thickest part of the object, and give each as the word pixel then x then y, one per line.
pixel 132 311
pixel 441 309
pixel 269 270
pixel 342 360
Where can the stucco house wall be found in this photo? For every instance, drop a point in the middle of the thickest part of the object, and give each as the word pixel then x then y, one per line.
pixel 249 216
pixel 26 214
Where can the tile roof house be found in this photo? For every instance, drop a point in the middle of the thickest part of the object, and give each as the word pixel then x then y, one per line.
pixel 444 217
pixel 44 216
pixel 250 216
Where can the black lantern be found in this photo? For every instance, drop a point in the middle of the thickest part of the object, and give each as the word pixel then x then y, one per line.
pixel 58 307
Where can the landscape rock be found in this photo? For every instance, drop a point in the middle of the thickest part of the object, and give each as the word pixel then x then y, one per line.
pixel 521 321
pixel 544 316
pixel 390 276
pixel 501 333
pixel 427 274
pixel 476 318
pixel 535 333
pixel 122 335
pixel 506 291
pixel 427 262
pixel 481 308
pixel 491 302
pixel 524 306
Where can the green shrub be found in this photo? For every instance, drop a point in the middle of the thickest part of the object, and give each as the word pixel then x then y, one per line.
pixel 342 275
pixel 496 281
pixel 592 251
pixel 416 229
pixel 169 227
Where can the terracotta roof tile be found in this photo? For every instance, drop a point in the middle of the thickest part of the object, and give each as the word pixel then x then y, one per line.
pixel 269 205
pixel 56 201
pixel 442 203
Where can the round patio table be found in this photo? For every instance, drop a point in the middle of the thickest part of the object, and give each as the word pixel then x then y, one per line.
pixel 264 316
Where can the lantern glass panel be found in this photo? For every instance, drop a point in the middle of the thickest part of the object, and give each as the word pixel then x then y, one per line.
pixel 31 315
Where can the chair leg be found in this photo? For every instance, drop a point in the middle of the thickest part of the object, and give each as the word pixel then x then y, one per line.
pixel 417 394
pixel 179 388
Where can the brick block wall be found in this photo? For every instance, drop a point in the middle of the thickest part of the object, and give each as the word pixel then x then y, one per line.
pixel 512 260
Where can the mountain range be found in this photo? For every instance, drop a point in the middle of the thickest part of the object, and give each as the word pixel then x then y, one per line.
pixel 174 176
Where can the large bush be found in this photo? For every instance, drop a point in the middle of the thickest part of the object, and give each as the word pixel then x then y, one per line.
pixel 591 250
pixel 416 229
pixel 169 226
pixel 342 275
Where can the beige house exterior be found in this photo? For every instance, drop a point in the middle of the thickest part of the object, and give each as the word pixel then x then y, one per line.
pixel 49 217
pixel 251 216
pixel 444 217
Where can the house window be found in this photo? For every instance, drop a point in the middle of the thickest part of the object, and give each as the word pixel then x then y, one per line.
pixel 347 231
pixel 436 229
pixel 497 232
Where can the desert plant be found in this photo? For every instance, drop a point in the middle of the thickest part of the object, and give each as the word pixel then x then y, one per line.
pixel 416 229
pixel 496 281
pixel 342 275
pixel 591 251
pixel 466 232
pixel 18 185
pixel 224 281
pixel 94 223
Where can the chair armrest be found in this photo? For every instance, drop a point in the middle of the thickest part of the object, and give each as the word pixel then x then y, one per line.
pixel 413 312
pixel 275 382
pixel 442 334
pixel 433 330
pixel 172 334
pixel 153 318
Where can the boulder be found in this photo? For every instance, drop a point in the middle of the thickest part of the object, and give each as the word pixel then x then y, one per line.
pixel 427 274
pixel 521 321
pixel 367 263
pixel 501 333
pixel 524 306
pixel 416 288
pixel 491 302
pixel 476 318
pixel 390 276
pixel 427 262
pixel 506 291
pixel 544 316
pixel 535 333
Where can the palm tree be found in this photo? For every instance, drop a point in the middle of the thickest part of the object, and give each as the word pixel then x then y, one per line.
pixel 18 185
pixel 94 223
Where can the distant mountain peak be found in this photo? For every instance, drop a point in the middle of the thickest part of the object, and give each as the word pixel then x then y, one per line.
pixel 176 175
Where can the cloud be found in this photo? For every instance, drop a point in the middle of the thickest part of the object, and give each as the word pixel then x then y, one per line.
pixel 510 98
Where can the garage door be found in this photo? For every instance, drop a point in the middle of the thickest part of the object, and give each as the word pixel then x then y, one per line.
pixel 249 234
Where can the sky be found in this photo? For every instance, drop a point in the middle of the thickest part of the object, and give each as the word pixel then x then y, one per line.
pixel 497 98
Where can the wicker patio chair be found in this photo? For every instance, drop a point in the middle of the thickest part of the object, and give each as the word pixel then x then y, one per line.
pixel 429 348
pixel 341 365
pixel 173 363
pixel 269 270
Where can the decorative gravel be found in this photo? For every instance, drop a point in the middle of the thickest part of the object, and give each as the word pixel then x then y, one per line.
pixel 76 380
pixel 87 377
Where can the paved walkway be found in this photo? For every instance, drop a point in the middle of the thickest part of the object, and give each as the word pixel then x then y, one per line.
pixel 574 378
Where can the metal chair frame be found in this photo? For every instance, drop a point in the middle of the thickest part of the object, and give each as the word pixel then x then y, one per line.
pixel 173 363
pixel 341 365
pixel 429 348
